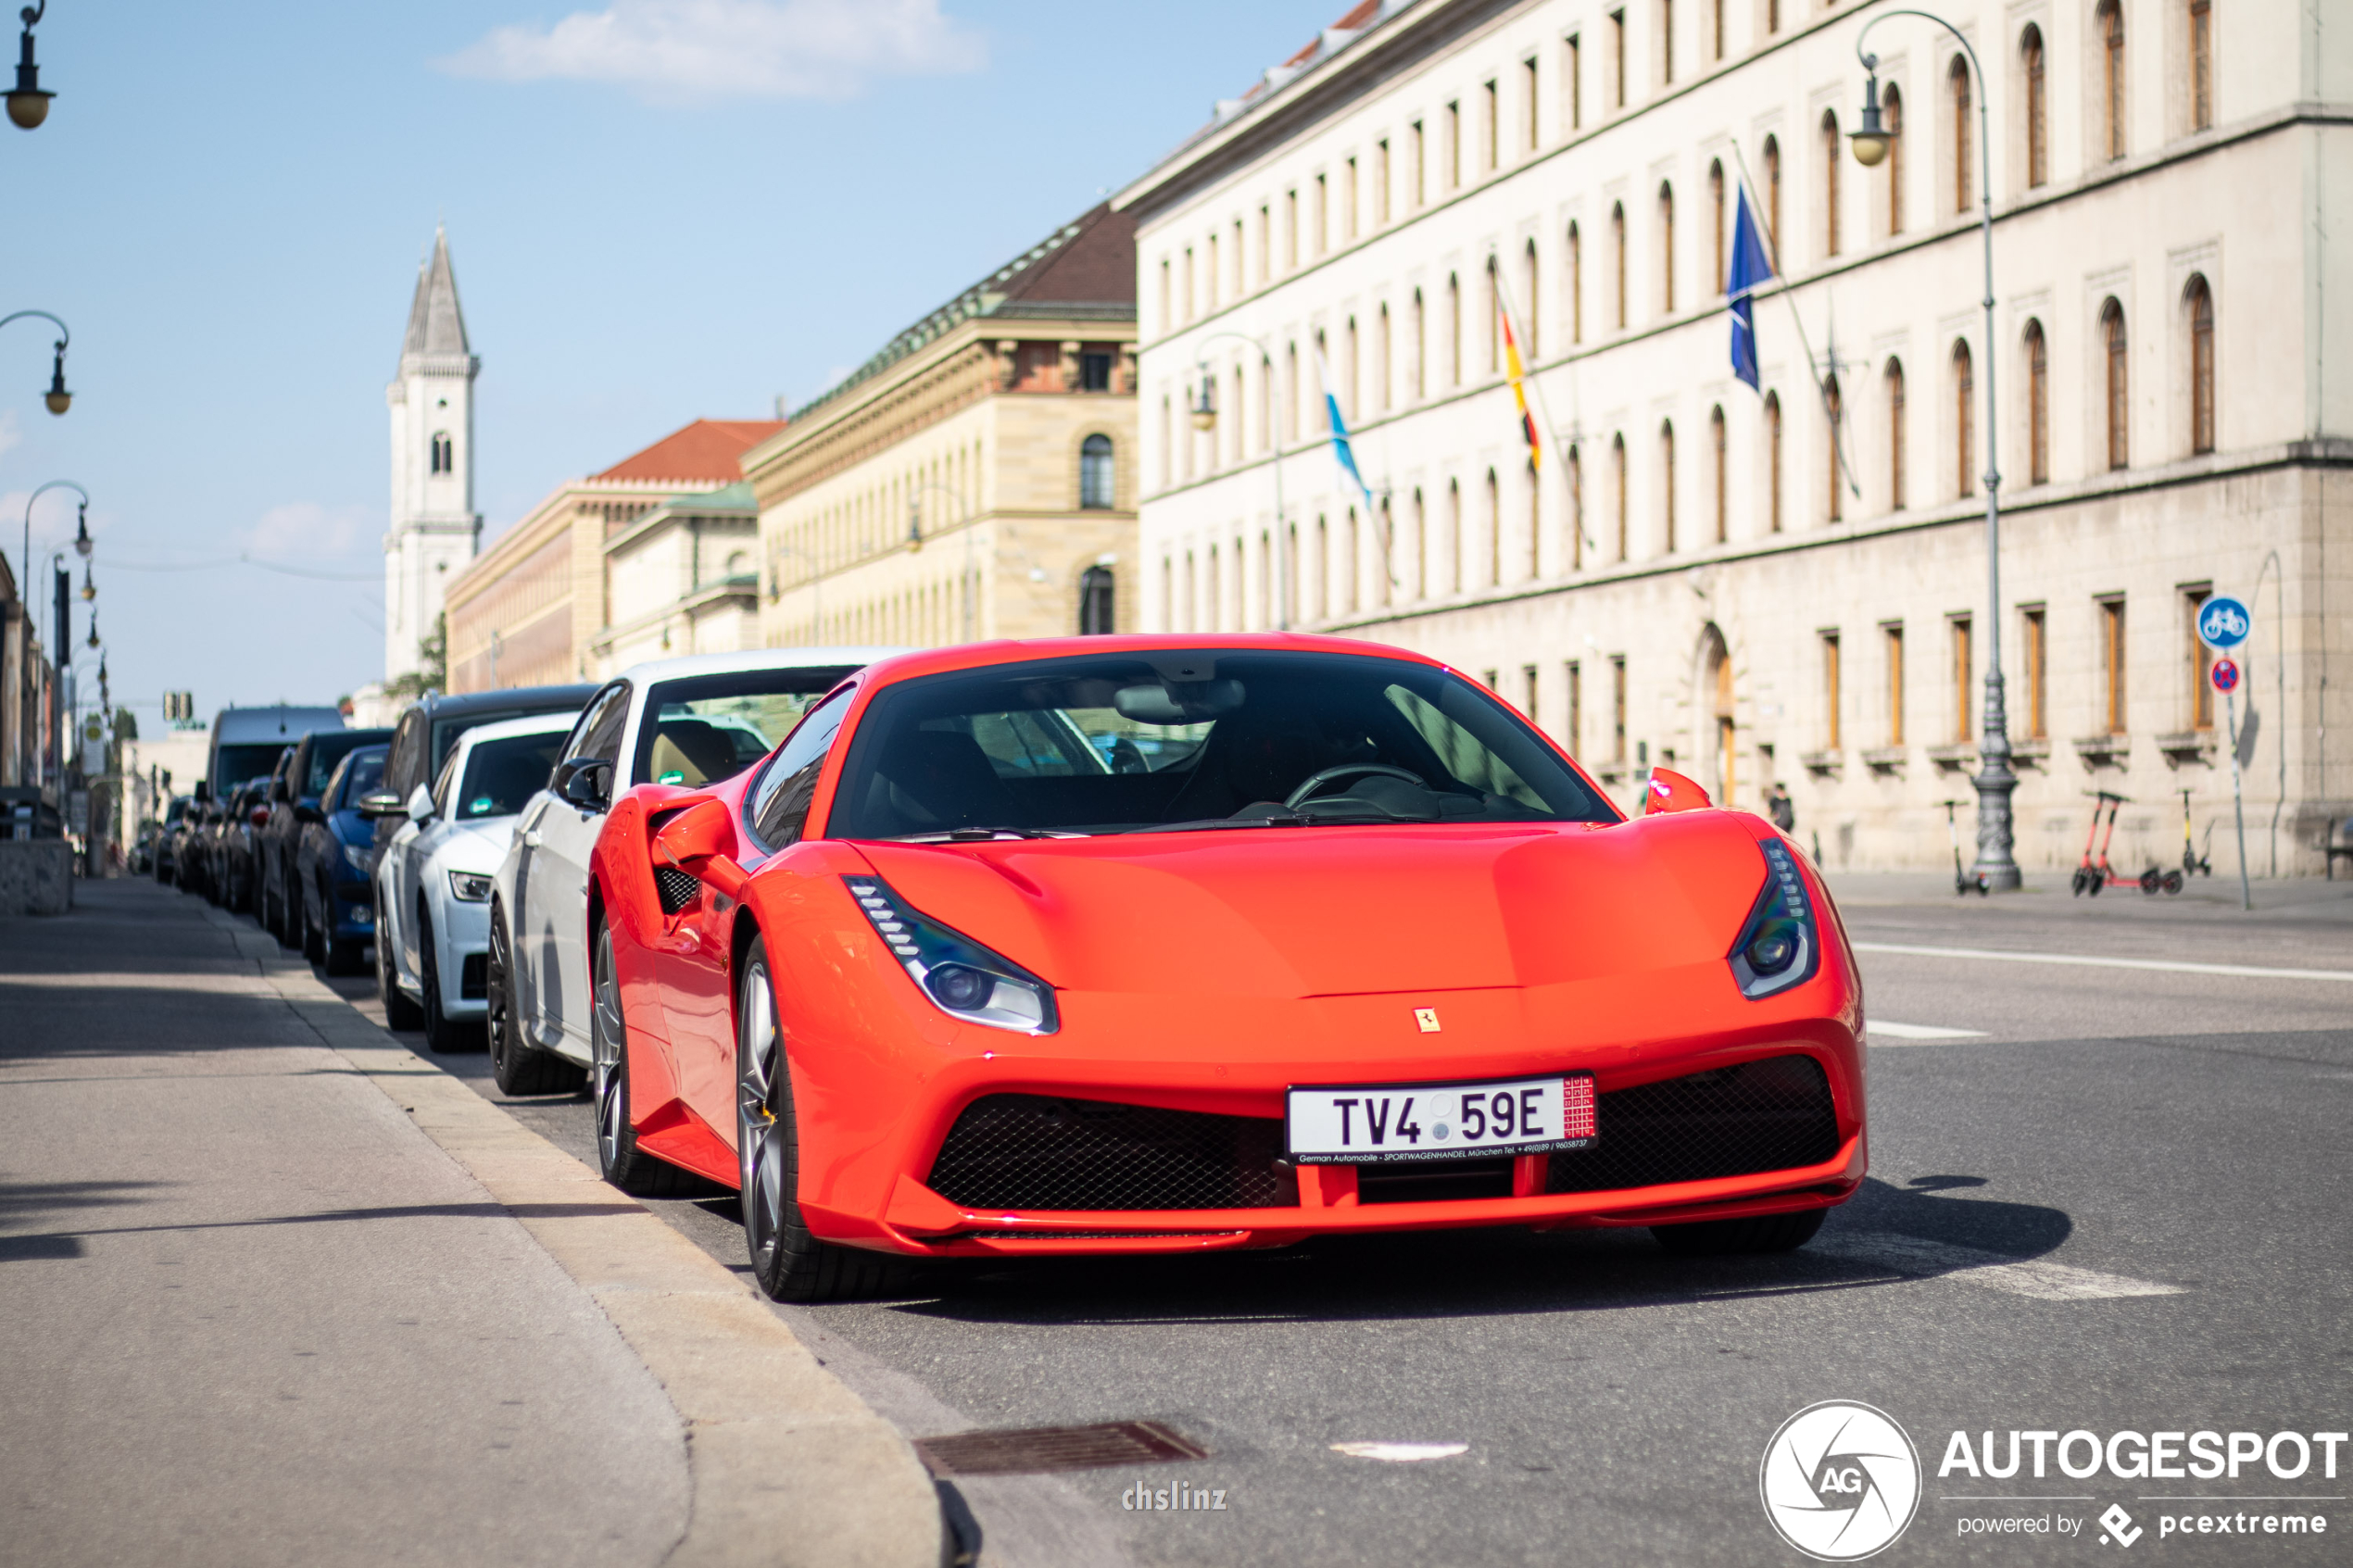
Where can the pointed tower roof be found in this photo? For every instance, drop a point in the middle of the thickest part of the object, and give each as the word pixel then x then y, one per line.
pixel 437 327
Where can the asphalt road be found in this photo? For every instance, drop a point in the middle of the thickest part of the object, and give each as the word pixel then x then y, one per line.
pixel 2102 1199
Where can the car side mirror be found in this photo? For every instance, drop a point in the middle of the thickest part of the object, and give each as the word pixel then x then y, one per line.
pixel 419 804
pixel 204 792
pixel 700 841
pixel 1671 791
pixel 585 783
pixel 310 814
pixel 382 803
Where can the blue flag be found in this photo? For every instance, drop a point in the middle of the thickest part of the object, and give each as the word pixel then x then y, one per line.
pixel 1749 269
pixel 1341 447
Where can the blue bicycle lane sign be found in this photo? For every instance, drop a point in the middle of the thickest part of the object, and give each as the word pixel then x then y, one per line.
pixel 2223 623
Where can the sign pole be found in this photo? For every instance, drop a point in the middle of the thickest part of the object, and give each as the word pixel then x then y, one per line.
pixel 2222 625
pixel 2238 805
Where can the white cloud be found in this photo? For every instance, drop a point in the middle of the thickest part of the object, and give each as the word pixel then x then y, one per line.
pixel 11 433
pixel 679 51
pixel 302 530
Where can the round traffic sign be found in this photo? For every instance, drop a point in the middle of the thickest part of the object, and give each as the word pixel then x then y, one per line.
pixel 2223 623
pixel 2224 674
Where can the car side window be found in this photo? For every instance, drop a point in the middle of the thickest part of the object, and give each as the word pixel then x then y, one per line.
pixel 780 801
pixel 405 763
pixel 441 785
pixel 597 735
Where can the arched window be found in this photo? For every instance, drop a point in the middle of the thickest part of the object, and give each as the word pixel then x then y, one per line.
pixel 1098 489
pixel 1576 286
pixel 1834 406
pixel 2201 62
pixel 1531 292
pixel 2038 139
pixel 1667 480
pixel 1773 194
pixel 1618 487
pixel 1617 244
pixel 1575 517
pixel 1535 518
pixel 1454 329
pixel 1491 290
pixel 1421 347
pixel 2108 22
pixel 2200 302
pixel 1718 473
pixel 1454 540
pixel 1097 602
pixel 1666 249
pixel 1963 418
pixel 1421 547
pixel 1829 183
pixel 1773 16
pixel 445 454
pixel 2120 403
pixel 1894 384
pixel 1291 389
pixel 1891 115
pixel 1773 459
pixel 1721 269
pixel 2038 406
pixel 1349 405
pixel 1956 89
pixel 1385 372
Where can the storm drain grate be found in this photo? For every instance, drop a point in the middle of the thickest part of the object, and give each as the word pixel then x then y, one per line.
pixel 1043 1448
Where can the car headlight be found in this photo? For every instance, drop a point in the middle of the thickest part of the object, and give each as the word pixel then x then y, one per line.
pixel 1781 945
pixel 357 857
pixel 471 887
pixel 963 978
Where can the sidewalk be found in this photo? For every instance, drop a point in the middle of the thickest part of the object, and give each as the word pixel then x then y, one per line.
pixel 252 1315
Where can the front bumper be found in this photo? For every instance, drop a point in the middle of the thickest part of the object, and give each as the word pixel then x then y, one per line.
pixel 355 912
pixel 463 932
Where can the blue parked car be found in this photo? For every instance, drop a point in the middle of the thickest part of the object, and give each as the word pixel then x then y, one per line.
pixel 337 919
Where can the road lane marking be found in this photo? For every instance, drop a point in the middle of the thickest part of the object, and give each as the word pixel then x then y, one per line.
pixel 1912 1032
pixel 1400 1453
pixel 2244 970
pixel 2032 1277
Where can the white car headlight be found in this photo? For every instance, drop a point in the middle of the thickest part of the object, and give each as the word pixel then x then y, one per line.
pixel 471 887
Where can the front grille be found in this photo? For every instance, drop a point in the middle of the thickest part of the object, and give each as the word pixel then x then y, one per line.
pixel 474 977
pixel 1035 1151
pixel 676 888
pixel 1433 1181
pixel 1767 1115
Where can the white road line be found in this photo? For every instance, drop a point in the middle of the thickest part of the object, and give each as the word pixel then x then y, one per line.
pixel 1400 1453
pixel 2245 970
pixel 1912 1032
pixel 2019 1276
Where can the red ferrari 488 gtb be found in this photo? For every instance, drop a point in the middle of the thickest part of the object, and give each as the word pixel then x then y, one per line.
pixel 1165 944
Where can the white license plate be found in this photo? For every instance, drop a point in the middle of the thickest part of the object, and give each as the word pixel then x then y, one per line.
pixel 1367 1125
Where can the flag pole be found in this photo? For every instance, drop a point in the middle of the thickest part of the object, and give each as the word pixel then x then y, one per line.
pixel 1821 390
pixel 1536 386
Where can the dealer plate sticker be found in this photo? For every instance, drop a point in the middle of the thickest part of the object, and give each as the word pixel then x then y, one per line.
pixel 1367 1125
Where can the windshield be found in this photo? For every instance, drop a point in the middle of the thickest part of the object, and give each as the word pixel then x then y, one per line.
pixel 325 752
pixel 1186 739
pixel 244 761
pixel 364 775
pixel 712 727
pixel 502 774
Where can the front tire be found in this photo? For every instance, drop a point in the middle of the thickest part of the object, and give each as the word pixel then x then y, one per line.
pixel 400 1011
pixel 619 1159
pixel 791 1265
pixel 1757 1232
pixel 520 1067
pixel 444 1035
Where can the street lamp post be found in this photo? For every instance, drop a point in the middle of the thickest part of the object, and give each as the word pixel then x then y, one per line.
pixel 1997 860
pixel 29 102
pixel 1204 419
pixel 81 542
pixel 57 398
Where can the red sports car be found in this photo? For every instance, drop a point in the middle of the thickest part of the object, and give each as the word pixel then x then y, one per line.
pixel 1164 944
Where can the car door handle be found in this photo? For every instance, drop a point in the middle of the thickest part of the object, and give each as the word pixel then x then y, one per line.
pixel 531 838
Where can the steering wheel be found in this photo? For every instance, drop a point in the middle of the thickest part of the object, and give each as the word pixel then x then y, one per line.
pixel 1348 771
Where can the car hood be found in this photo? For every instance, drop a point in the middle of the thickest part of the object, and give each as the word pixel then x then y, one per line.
pixel 1300 912
pixel 475 846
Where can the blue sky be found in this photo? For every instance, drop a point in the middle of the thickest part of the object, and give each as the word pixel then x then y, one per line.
pixel 657 208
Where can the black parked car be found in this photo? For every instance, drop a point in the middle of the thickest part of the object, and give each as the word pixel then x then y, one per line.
pixel 190 839
pixel 164 859
pixel 335 907
pixel 424 738
pixel 295 793
pixel 232 844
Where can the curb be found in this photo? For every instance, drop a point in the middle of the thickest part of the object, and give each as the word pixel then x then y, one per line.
pixel 788 1467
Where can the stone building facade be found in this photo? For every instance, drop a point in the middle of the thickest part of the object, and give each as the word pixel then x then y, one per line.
pixel 1789 582
pixel 975 478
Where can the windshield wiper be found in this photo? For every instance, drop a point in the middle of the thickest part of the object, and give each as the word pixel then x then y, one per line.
pixel 1206 824
pixel 979 835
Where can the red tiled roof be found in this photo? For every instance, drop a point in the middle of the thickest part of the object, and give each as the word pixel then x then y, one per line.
pixel 707 450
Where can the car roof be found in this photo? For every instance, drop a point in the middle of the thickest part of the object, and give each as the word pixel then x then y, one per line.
pixel 758 658
pixel 247 726
pixel 1022 650
pixel 457 707
pixel 529 724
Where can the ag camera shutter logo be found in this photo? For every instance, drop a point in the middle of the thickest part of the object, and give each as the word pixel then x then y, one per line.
pixel 1841 1481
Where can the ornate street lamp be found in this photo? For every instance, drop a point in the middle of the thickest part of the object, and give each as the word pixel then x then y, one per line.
pixel 29 103
pixel 1205 412
pixel 1997 860
pixel 59 399
pixel 83 543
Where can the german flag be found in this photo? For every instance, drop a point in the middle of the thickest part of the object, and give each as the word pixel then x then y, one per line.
pixel 1512 370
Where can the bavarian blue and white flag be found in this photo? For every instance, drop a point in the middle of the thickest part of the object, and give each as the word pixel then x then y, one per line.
pixel 1749 269
pixel 1341 449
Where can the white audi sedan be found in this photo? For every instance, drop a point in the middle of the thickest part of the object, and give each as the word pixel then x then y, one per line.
pixel 689 721
pixel 433 879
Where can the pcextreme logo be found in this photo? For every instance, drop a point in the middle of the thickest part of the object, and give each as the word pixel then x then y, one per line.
pixel 1841 1481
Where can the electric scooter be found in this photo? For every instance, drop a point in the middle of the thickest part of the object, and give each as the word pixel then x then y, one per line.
pixel 1963 882
pixel 2192 863
pixel 2096 873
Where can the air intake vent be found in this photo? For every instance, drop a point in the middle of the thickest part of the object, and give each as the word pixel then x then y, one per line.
pixel 677 889
pixel 1768 1115
pixel 1032 1151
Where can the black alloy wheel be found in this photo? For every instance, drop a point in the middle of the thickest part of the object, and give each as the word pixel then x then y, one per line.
pixel 1757 1232
pixel 400 1011
pixel 791 1265
pixel 520 1067
pixel 619 1159
pixel 313 946
pixel 289 927
pixel 444 1034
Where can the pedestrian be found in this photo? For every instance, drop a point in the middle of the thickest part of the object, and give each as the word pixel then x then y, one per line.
pixel 1778 807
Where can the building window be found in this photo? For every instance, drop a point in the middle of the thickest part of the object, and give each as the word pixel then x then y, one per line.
pixel 1097 602
pixel 1490 286
pixel 1573 735
pixel 2038 139
pixel 2037 650
pixel 2112 337
pixel 2201 663
pixel 1421 186
pixel 1618 708
pixel 2201 53
pixel 1531 291
pixel 1895 382
pixel 1385 373
pixel 1290 231
pixel 1573 80
pixel 1535 518
pixel 2201 314
pixel 1094 372
pixel 1348 203
pixel 2112 663
pixel 1421 346
pixel 1891 116
pixel 1718 472
pixel 1964 415
pixel 1773 194
pixel 1323 215
pixel 1527 685
pixel 1210 275
pixel 1773 459
pixel 1667 480
pixel 1720 272
pixel 1491 129
pixel 1666 249
pixel 1892 637
pixel 1618 245
pixel 1528 89
pixel 1715 30
pixel 1831 739
pixel 1495 520
pixel 1667 43
pixel 2038 406
pixel 1773 16
pixel 1961 655
pixel 1575 280
pixel 1617 59
pixel 1454 330
pixel 445 453
pixel 1266 243
pixel 1454 145
pixel 1618 487
pixel 1831 150
pixel 2109 21
pixel 1834 409
pixel 1576 519
pixel 1453 541
pixel 1097 477
pixel 1380 183
pixel 1191 314
pixel 1956 86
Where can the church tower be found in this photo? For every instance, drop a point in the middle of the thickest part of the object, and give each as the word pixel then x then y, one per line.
pixel 434 527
